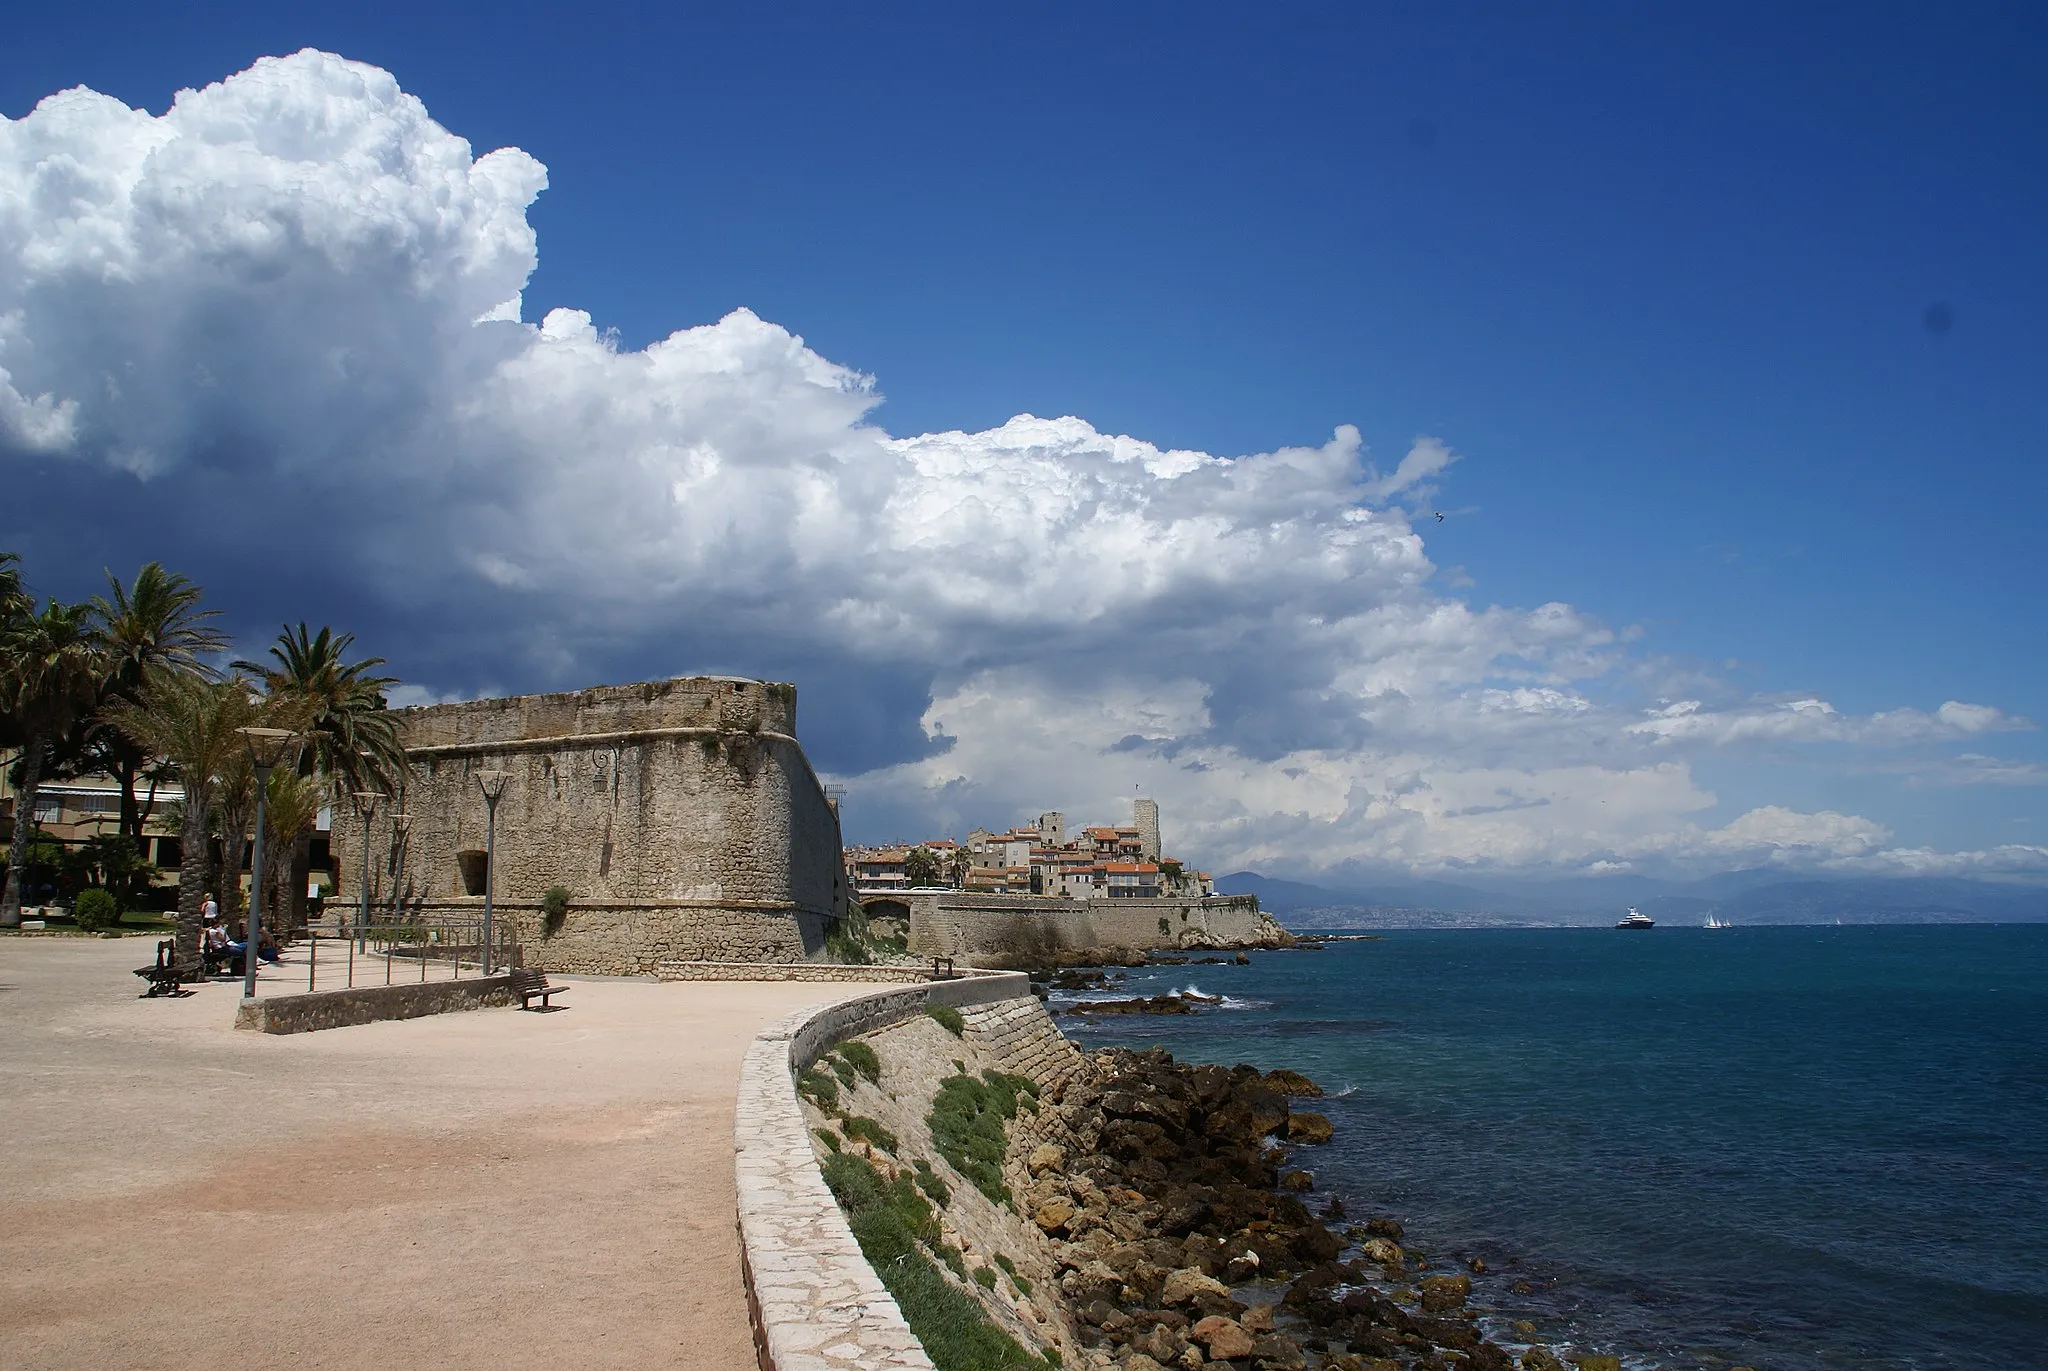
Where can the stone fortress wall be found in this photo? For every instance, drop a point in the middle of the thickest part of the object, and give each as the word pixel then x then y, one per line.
pixel 681 815
pixel 1030 930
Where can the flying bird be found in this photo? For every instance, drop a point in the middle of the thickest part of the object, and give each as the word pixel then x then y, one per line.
pixel 1439 516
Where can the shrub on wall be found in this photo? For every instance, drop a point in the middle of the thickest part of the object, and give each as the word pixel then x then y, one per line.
pixel 554 910
pixel 95 910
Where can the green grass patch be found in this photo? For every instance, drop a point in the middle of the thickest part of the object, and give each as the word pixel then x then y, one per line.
pixel 932 1183
pixel 1009 1267
pixel 863 1060
pixel 967 1122
pixel 947 1018
pixel 859 1126
pixel 819 1088
pixel 827 1137
pixel 893 1225
pixel 841 1068
pixel 985 1277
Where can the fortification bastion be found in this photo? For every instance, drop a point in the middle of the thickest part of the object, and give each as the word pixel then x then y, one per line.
pixel 681 815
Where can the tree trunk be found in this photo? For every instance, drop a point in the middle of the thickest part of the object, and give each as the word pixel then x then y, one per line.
pixel 301 868
pixel 131 812
pixel 234 847
pixel 194 857
pixel 24 820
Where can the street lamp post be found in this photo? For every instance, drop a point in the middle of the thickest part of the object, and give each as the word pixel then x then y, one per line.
pixel 266 749
pixel 492 783
pixel 366 810
pixel 401 824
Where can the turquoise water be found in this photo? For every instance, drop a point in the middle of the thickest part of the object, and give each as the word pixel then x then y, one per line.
pixel 1789 1148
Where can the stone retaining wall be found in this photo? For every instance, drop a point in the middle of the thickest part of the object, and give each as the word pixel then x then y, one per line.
pixel 817 1304
pixel 788 971
pixel 1032 930
pixel 370 1004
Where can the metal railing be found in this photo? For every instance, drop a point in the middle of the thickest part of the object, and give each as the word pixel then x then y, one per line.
pixel 342 956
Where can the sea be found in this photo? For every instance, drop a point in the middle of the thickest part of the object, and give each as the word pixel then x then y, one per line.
pixel 1788 1148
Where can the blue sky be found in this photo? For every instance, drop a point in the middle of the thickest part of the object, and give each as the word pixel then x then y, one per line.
pixel 1735 320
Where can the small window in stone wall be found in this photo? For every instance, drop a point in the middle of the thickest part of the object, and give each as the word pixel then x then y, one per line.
pixel 470 861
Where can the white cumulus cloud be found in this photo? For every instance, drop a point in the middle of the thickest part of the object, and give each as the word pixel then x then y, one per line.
pixel 290 306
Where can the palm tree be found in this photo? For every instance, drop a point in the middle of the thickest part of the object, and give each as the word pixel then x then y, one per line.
pixel 195 724
pixel 49 673
pixel 352 736
pixel 155 622
pixel 291 810
pixel 14 600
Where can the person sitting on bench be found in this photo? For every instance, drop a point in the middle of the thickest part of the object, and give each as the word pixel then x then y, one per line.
pixel 214 951
pixel 266 949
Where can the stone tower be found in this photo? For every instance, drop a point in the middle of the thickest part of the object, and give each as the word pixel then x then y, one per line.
pixel 1052 828
pixel 1145 818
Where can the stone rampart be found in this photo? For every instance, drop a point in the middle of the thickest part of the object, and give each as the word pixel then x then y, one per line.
pixel 797 971
pixel 681 816
pixel 1030 930
pixel 816 1303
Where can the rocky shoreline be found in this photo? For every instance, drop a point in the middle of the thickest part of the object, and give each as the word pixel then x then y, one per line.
pixel 1142 1213
pixel 1183 1238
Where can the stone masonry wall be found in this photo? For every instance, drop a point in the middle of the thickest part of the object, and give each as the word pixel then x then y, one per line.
pixel 1018 930
pixel 314 1011
pixel 816 1303
pixel 682 816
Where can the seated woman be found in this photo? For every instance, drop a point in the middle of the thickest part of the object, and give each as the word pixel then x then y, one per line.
pixel 214 951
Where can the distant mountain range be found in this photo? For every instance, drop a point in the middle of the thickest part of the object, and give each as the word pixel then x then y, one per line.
pixel 1753 897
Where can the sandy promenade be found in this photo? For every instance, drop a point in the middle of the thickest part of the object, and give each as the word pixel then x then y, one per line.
pixel 477 1189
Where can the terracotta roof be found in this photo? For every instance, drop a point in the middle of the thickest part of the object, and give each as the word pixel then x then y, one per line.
pixel 1126 867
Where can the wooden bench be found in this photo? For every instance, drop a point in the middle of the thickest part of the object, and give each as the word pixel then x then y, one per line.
pixel 167 977
pixel 530 983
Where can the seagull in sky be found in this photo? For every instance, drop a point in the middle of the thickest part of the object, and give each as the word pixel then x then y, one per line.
pixel 1439 516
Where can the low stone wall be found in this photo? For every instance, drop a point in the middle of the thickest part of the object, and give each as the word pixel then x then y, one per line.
pixel 370 1004
pixel 788 971
pixel 816 1303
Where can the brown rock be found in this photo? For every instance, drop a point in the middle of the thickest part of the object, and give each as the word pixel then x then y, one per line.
pixel 1224 1338
pixel 1297 1181
pixel 1441 1294
pixel 1258 1319
pixel 1185 1285
pixel 1138 1361
pixel 1046 1157
pixel 1292 1083
pixel 1477 1266
pixel 1054 1216
pixel 1385 1251
pixel 1541 1358
pixel 1278 1352
pixel 1386 1228
pixel 1597 1363
pixel 1161 1344
pixel 1308 1128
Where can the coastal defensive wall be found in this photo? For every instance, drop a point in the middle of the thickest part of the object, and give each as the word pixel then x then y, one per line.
pixel 681 816
pixel 1030 930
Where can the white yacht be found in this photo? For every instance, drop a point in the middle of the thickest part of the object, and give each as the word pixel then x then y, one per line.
pixel 1637 919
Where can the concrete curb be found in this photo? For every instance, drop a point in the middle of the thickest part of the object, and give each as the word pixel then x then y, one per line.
pixel 816 1304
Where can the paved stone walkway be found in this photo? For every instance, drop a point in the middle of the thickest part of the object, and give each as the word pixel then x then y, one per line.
pixel 421 1193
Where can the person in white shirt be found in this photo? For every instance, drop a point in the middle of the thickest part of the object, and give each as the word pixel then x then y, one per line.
pixel 209 911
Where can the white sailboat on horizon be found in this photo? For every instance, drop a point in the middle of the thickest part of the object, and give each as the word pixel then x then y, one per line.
pixel 1715 921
